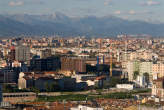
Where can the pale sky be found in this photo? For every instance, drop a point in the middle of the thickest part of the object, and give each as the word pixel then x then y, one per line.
pixel 149 10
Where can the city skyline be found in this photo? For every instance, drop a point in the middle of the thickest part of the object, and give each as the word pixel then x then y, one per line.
pixel 146 10
pixel 81 54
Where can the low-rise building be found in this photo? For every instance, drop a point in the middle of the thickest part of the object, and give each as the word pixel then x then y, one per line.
pixel 8 75
pixel 125 86
pixel 81 107
pixel 67 83
pixel 158 88
pixel 18 97
pixel 25 80
pixel 46 82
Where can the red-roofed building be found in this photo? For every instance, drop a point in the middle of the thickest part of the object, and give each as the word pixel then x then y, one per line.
pixel 158 87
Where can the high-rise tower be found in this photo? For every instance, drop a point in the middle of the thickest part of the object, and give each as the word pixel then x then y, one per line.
pixel 22 53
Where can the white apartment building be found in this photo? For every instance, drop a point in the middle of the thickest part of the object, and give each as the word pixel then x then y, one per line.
pixel 145 67
pixel 130 70
pixel 141 54
pixel 131 67
pixel 140 66
pixel 81 107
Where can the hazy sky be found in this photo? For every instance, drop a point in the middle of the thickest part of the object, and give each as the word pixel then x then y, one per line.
pixel 149 10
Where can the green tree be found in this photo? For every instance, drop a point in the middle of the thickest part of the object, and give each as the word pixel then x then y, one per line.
pixel 54 87
pixel 113 65
pixel 33 89
pixel 7 88
pixel 135 74
pixel 47 87
pixel 113 81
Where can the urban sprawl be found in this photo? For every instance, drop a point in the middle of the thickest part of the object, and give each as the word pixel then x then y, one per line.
pixel 80 73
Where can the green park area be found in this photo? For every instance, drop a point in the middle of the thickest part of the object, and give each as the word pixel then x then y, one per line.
pixel 90 96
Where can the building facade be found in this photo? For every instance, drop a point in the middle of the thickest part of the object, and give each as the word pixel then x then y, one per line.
pixel 140 66
pixel 73 64
pixel 46 64
pixel 19 97
pixel 22 53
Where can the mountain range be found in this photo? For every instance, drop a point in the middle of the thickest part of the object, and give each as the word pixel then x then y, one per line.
pixel 60 24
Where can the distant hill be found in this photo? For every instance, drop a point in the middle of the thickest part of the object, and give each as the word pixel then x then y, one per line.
pixel 13 25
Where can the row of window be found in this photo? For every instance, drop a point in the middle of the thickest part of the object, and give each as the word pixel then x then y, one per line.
pixel 24 95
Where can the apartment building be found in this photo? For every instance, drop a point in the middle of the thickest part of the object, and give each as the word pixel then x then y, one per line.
pixel 140 66
pixel 73 64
